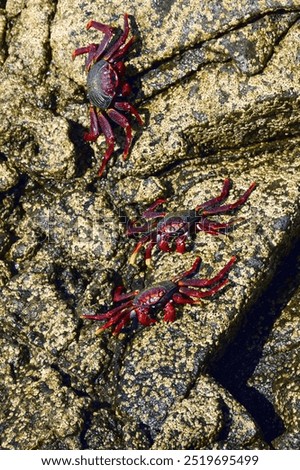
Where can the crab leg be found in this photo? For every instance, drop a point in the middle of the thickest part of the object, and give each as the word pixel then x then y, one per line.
pixel 124 106
pixel 150 213
pixel 118 296
pixel 193 270
pixel 153 215
pixel 183 300
pixel 110 140
pixel 132 229
pixel 208 282
pixel 152 239
pixel 122 51
pixel 214 228
pixel 94 131
pixel 200 295
pixel 148 252
pixel 113 321
pixel 234 205
pixel 108 31
pixel 111 313
pixel 91 48
pixel 137 248
pixel 123 322
pixel 120 41
pixel 123 122
pixel 217 200
pixel 104 28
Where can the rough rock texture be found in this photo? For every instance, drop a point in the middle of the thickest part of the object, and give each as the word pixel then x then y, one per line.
pixel 217 85
pixel 281 355
pixel 208 414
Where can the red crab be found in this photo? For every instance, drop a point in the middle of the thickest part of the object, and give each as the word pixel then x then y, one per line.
pixel 144 305
pixel 107 88
pixel 170 231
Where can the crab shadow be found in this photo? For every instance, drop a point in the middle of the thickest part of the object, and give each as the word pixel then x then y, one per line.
pixel 84 154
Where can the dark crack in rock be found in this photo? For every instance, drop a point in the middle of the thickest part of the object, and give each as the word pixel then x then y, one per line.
pixel 281 388
pixel 250 47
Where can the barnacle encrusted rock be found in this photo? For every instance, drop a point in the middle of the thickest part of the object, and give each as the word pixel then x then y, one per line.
pixel 8 177
pixel 35 17
pixel 250 47
pixel 35 141
pixel 78 225
pixel 281 355
pixel 42 413
pixel 37 408
pixel 30 305
pixel 208 414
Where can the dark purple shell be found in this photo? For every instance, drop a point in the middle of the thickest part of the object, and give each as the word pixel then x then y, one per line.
pixel 175 222
pixel 156 296
pixel 101 84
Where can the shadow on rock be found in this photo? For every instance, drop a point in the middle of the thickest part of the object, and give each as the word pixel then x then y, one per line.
pixel 243 354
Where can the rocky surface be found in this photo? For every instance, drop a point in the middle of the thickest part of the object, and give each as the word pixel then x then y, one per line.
pixel 281 355
pixel 218 88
